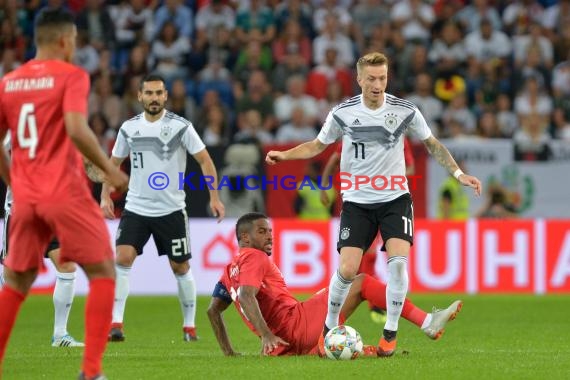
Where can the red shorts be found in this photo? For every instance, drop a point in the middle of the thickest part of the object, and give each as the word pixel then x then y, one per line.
pixel 78 224
pixel 305 326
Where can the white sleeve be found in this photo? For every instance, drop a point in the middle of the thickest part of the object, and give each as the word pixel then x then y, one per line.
pixel 419 126
pixel 121 148
pixel 331 131
pixel 191 141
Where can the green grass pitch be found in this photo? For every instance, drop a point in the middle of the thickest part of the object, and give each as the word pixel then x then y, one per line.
pixel 494 337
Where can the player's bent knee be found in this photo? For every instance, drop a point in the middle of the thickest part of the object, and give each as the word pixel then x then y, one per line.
pixel 104 269
pixel 180 268
pixel 65 267
pixel 126 255
pixel 348 271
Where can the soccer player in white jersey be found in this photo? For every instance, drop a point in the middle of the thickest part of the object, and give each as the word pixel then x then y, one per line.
pixel 372 127
pixel 64 290
pixel 157 141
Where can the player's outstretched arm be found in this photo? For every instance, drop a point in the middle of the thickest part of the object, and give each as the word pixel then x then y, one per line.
pixel 107 204
pixel 250 307
pixel 215 315
pixel 300 152
pixel 4 160
pixel 209 171
pixel 442 155
pixel 84 139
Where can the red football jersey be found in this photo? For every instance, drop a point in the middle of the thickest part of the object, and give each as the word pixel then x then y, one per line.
pixel 253 267
pixel 34 98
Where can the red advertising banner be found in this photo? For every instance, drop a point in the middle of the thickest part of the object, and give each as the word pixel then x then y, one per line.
pixel 476 256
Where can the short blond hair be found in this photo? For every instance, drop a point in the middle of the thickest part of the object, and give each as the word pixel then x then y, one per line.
pixel 371 59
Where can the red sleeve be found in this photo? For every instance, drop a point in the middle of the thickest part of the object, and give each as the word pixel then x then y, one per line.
pixel 3 124
pixel 338 148
pixel 252 268
pixel 408 156
pixel 76 92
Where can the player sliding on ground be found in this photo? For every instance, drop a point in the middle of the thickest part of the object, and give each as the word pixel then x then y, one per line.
pixel 287 326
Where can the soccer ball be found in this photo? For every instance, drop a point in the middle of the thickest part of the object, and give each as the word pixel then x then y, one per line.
pixel 343 343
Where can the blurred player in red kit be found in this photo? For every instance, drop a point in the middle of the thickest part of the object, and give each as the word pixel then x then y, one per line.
pixel 44 106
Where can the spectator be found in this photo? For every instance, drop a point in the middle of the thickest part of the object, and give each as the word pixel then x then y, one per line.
pixel 414 18
pixel 497 205
pixel 429 105
pixel 9 62
pixel 520 15
pixel 555 18
pixel 486 43
pixel 216 128
pixel 448 52
pixel 297 130
pixel 133 25
pixel 331 37
pixel 102 99
pixel 11 38
pixel 176 12
pixel 308 204
pixel 292 53
pixel 96 21
pixel 130 100
pixel 368 15
pixel 255 23
pixel 488 127
pixel 296 98
pixel 252 130
pixel 100 127
pixel 472 15
pixel 459 111
pixel 241 161
pixel 534 39
pixel 169 52
pixel 258 98
pixel 506 118
pixel 297 11
pixel 180 103
pixel 332 8
pixel 532 99
pixel 334 96
pixel 86 55
pixel 254 57
pixel 532 142
pixel 215 24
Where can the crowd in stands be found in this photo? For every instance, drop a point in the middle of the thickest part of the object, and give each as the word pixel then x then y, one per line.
pixel 269 71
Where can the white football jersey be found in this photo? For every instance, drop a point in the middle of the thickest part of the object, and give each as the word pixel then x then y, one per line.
pixel 156 147
pixel 9 197
pixel 373 145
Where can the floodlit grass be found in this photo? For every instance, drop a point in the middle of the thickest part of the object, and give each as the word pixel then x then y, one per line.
pixel 494 337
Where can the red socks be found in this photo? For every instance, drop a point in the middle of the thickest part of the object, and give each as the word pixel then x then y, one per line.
pixel 98 314
pixel 10 302
pixel 375 292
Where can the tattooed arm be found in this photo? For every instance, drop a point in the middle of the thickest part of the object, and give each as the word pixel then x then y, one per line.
pixel 444 158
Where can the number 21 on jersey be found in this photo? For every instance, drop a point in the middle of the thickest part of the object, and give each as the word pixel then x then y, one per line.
pixel 27 133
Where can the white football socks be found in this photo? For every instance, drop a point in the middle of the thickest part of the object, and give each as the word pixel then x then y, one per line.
pixel 187 297
pixel 121 292
pixel 396 290
pixel 338 291
pixel 62 300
